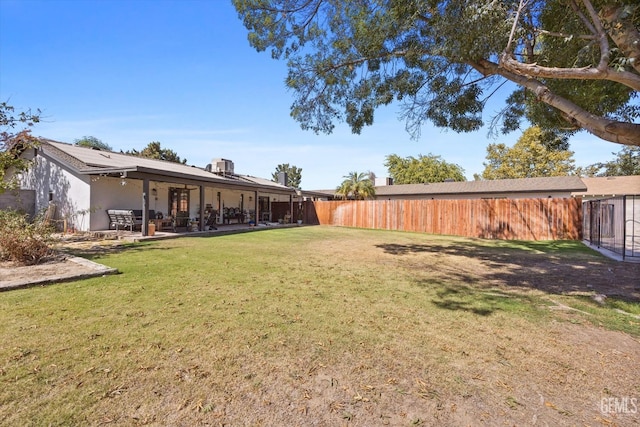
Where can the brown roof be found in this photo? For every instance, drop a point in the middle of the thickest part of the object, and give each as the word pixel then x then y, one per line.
pixel 523 185
pixel 611 186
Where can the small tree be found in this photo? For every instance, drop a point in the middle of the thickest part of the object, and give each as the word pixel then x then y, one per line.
pixel 154 151
pixel 294 174
pixel 429 168
pixel 13 143
pixel 92 142
pixel 356 186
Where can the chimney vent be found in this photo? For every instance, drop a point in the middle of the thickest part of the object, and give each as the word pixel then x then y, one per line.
pixel 282 178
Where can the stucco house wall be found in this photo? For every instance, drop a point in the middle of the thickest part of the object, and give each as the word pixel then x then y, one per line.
pixel 71 193
pixel 109 193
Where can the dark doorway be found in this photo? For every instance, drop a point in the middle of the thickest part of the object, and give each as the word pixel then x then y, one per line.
pixel 179 205
pixel 264 208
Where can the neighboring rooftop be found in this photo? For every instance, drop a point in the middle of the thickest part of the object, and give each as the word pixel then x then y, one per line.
pixel 583 187
pixel 611 186
pixel 523 185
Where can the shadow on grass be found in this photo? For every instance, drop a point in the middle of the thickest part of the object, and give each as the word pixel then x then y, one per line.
pixel 450 298
pixel 555 267
pixel 477 301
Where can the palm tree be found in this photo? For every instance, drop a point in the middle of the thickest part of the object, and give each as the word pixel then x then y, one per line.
pixel 356 186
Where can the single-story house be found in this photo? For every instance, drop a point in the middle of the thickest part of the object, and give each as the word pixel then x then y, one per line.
pixel 83 183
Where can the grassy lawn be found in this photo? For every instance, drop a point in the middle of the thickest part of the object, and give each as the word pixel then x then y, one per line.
pixel 326 326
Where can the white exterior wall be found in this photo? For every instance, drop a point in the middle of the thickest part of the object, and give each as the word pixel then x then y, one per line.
pixel 70 193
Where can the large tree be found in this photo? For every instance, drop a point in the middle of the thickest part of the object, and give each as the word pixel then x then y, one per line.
pixel 356 186
pixel 154 151
pixel 294 174
pixel 14 138
pixel 530 157
pixel 429 168
pixel 92 142
pixel 574 64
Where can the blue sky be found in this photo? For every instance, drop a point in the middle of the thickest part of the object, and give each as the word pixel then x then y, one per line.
pixel 182 72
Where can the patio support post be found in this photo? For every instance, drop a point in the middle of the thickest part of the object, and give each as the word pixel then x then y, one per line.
pixel 201 213
pixel 290 209
pixel 145 207
pixel 256 208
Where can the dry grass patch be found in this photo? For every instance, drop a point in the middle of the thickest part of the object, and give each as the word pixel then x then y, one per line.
pixel 322 326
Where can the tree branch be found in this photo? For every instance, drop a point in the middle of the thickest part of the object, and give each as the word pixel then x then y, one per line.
pixel 563 35
pixel 607 129
pixel 626 78
pixel 601 36
pixel 583 18
pixel 521 6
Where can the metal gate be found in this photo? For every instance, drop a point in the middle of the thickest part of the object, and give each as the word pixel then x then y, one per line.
pixel 613 224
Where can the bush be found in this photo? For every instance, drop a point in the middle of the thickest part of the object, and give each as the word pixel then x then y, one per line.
pixel 22 241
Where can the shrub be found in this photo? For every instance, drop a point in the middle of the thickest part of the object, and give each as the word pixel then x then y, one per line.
pixel 23 241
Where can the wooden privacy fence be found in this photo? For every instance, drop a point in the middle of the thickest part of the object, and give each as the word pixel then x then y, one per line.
pixel 509 219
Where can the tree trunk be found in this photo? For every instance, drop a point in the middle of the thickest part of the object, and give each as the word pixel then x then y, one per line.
pixel 622 31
